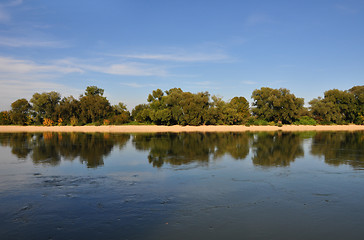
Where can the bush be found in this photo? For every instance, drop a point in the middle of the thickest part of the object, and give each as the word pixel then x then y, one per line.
pixel 48 122
pixel 73 121
pixel 305 120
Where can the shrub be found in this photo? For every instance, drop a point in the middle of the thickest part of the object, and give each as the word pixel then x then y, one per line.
pixel 48 122
pixel 305 120
pixel 73 121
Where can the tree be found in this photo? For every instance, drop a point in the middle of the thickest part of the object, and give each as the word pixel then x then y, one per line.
pixel 336 107
pixel 141 113
pixel 5 118
pixel 277 105
pixel 120 114
pixel 358 92
pixel 93 106
pixel 94 91
pixel 19 113
pixel 44 106
pixel 68 108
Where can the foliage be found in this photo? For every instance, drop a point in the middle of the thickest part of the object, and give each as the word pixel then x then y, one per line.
pixel 44 106
pixel 120 114
pixel 5 118
pixel 68 108
pixel 20 111
pixel 93 106
pixel 305 120
pixel 73 121
pixel 48 122
pixel 277 105
pixel 336 107
pixel 174 106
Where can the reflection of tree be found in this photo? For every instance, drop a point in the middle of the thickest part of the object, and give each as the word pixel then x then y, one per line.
pixel 340 148
pixel 20 143
pixel 49 148
pixel 185 148
pixel 276 148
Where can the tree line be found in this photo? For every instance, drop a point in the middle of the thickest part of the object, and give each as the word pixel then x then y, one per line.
pixel 176 107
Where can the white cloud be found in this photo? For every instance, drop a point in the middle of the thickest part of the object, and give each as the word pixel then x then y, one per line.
pixel 128 69
pixel 199 57
pixel 137 85
pixel 249 82
pixel 4 16
pixel 22 42
pixel 12 89
pixel 18 66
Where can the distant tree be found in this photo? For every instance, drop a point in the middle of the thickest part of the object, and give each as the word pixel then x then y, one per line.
pixel 44 106
pixel 68 108
pixel 120 114
pixel 5 118
pixel 93 106
pixel 94 91
pixel 277 105
pixel 19 113
pixel 336 107
pixel 358 92
pixel 141 113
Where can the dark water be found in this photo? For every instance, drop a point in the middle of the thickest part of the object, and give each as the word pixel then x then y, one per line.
pixel 182 186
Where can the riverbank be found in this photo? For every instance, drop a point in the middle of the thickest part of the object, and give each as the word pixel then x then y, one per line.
pixel 156 129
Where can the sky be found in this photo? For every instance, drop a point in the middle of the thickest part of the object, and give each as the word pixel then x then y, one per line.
pixel 131 47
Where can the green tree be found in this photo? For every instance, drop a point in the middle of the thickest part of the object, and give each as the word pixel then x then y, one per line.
pixel 120 114
pixel 277 105
pixel 5 118
pixel 141 113
pixel 94 108
pixel 68 108
pixel 19 113
pixel 358 92
pixel 44 106
pixel 336 107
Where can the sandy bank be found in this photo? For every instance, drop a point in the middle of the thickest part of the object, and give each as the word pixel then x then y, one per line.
pixel 152 128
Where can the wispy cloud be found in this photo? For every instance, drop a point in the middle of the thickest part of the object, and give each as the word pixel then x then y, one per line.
pixel 19 66
pixel 256 19
pixel 249 82
pixel 197 57
pixel 12 89
pixel 137 85
pixel 22 42
pixel 4 14
pixel 345 9
pixel 128 69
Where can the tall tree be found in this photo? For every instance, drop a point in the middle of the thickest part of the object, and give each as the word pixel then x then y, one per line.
pixel 277 105
pixel 336 107
pixel 44 106
pixel 68 108
pixel 93 106
pixel 358 92
pixel 20 111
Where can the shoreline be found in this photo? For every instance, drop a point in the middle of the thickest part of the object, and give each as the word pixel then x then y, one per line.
pixel 177 128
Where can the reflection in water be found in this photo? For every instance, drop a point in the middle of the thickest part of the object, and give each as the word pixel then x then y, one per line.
pixel 268 148
pixel 340 148
pixel 276 148
pixel 48 148
pixel 185 148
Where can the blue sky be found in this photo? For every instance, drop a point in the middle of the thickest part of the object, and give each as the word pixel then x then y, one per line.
pixel 130 48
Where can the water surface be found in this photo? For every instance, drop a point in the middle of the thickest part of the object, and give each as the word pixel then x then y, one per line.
pixel 182 186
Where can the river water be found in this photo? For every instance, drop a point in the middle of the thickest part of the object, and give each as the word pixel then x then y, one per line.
pixel 275 185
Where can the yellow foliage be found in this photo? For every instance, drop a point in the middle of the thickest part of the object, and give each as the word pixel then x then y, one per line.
pixel 48 122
